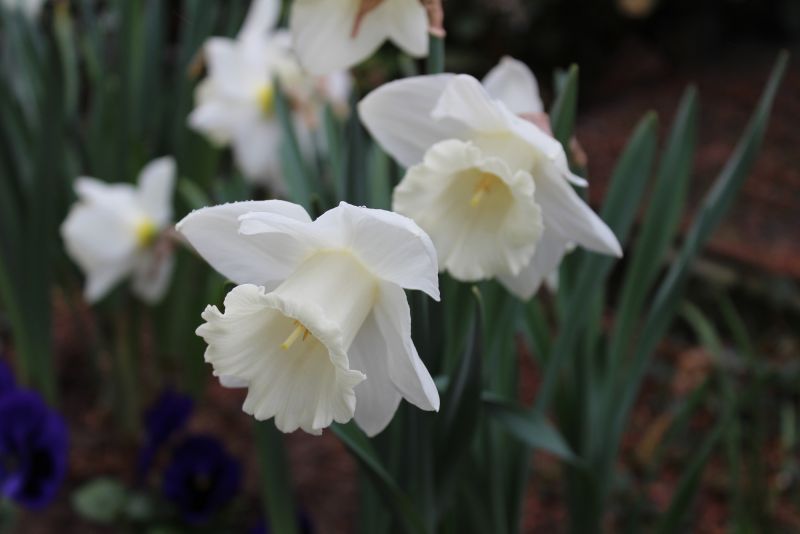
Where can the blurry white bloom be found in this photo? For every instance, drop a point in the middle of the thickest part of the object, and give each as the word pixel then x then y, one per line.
pixel 319 329
pixel 115 230
pixel 330 34
pixel 492 189
pixel 30 8
pixel 235 104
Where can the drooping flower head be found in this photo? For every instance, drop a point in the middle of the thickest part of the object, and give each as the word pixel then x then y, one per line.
pixel 320 327
pixel 33 449
pixel 116 230
pixel 235 103
pixel 491 188
pixel 201 478
pixel 166 416
pixel 330 35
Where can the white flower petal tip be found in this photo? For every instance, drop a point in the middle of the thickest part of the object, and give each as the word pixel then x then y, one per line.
pixel 329 35
pixel 483 217
pixel 331 331
pixel 514 84
pixel 115 230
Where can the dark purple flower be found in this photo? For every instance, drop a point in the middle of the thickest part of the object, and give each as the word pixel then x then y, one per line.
pixel 201 478
pixel 7 383
pixel 33 449
pixel 165 417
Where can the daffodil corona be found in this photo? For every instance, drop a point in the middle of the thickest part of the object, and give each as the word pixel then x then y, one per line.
pixel 319 329
pixel 115 230
pixel 491 188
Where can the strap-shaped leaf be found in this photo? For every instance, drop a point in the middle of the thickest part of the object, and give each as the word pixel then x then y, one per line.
pixel 565 107
pixel 530 427
pixel 361 448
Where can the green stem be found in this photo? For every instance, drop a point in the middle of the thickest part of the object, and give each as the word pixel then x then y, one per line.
pixel 435 62
pixel 276 487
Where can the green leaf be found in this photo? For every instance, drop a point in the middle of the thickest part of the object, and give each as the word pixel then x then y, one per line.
pixel 459 413
pixel 101 500
pixel 660 223
pixel 276 487
pixel 435 61
pixel 361 448
pixel 192 194
pixel 673 520
pixel 621 204
pixel 294 165
pixel 529 427
pixel 379 182
pixel 565 108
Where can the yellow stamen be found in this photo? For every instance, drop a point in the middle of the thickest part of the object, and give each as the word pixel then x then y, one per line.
pixel 146 232
pixel 298 330
pixel 266 99
pixel 483 187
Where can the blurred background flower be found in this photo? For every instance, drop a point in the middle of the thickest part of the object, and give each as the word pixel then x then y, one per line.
pixel 33 449
pixel 201 478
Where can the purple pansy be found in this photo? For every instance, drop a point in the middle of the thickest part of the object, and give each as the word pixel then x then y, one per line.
pixel 166 416
pixel 7 383
pixel 201 478
pixel 33 449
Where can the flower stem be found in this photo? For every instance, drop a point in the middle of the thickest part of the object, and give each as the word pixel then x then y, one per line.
pixel 435 62
pixel 276 487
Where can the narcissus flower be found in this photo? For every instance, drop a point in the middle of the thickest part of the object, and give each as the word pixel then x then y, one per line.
pixel 235 104
pixel 320 328
pixel 330 35
pixel 492 189
pixel 33 449
pixel 115 230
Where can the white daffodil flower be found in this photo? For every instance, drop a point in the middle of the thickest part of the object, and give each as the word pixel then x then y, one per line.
pixel 29 8
pixel 330 34
pixel 235 103
pixel 117 230
pixel 492 189
pixel 319 328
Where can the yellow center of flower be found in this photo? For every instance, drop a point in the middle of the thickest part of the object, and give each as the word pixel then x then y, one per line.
pixel 266 99
pixel 296 333
pixel 146 232
pixel 483 188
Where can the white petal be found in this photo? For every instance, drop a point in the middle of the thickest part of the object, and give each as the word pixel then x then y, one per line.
pixel 214 233
pixel 322 32
pixel 376 396
pixel 101 244
pixel 465 100
pixel 390 245
pixel 261 18
pixel 407 21
pixel 153 273
pixel 300 386
pixel 513 83
pixel 156 187
pixel 571 218
pixel 101 278
pixel 216 116
pixel 544 264
pixel 398 115
pixel 256 148
pixel 406 370
pixel 231 382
